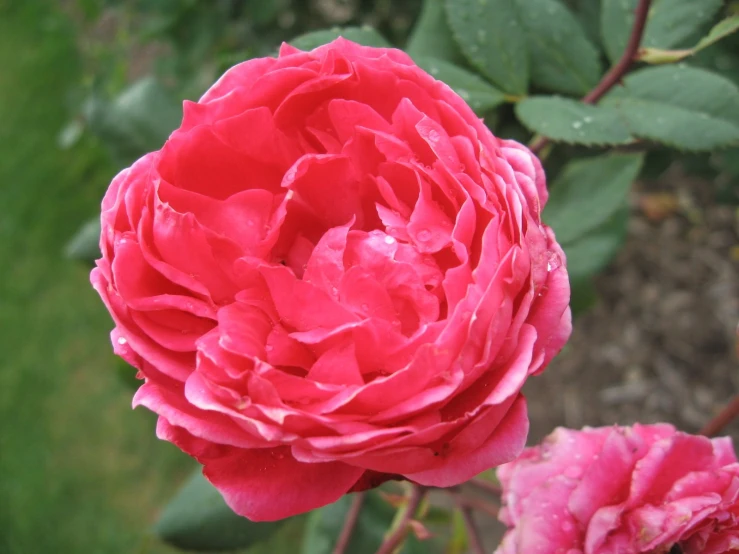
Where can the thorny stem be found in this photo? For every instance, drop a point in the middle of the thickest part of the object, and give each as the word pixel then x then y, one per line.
pixel 716 425
pixel 349 523
pixel 616 72
pixel 393 540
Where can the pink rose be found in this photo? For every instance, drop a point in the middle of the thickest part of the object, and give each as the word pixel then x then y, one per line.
pixel 333 274
pixel 622 490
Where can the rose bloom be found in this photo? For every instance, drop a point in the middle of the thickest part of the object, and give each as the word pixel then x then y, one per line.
pixel 622 490
pixel 333 274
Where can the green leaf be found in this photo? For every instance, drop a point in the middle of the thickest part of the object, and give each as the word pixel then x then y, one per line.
pixel 325 524
pixel 562 57
pixel 137 121
pixel 680 106
pixel 721 30
pixel 669 24
pixel 566 120
pixel 588 192
pixel 493 40
pixel 365 35
pixel 590 253
pixel 197 519
pixel 85 244
pixel 431 36
pixel 480 95
pixel 588 12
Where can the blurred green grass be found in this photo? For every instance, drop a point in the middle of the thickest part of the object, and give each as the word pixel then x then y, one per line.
pixel 79 471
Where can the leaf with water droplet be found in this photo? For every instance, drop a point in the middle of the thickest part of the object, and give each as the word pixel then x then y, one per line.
pixel 562 57
pixel 431 35
pixel 567 120
pixel 680 106
pixel 481 96
pixel 491 37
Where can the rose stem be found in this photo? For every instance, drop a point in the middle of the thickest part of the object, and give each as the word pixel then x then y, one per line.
pixel 349 523
pixel 716 425
pixel 476 504
pixel 616 72
pixel 394 539
pixel 473 533
pixel 485 485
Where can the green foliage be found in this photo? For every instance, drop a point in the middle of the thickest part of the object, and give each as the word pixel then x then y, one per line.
pixel 670 23
pixel 570 121
pixel 85 244
pixel 480 95
pixel 721 30
pixel 588 192
pixel 137 121
pixel 366 36
pixel 562 57
pixel 588 211
pixel 491 37
pixel 431 36
pixel 197 519
pixel 680 106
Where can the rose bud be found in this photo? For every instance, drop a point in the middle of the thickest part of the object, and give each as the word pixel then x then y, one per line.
pixel 333 274
pixel 617 490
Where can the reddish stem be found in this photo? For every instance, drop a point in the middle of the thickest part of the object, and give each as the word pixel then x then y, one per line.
pixel 394 539
pixel 487 486
pixel 716 425
pixel 349 523
pixel 616 73
pixel 477 504
pixel 473 534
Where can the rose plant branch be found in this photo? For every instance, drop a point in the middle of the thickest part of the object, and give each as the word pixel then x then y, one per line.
pixel 485 485
pixel 473 533
pixel 616 73
pixel 717 424
pixel 476 504
pixel 350 523
pixel 398 531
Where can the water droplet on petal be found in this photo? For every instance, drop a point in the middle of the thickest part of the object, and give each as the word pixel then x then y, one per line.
pixel 424 235
pixel 553 261
pixel 389 239
pixel 434 135
pixel 122 341
pixel 269 348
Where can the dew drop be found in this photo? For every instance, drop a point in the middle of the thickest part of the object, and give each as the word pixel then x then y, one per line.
pixel 424 235
pixel 269 348
pixel 389 239
pixel 122 341
pixel 434 135
pixel 553 261
pixel 576 124
pixel 587 119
